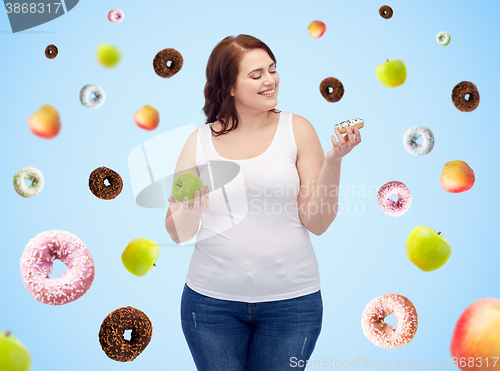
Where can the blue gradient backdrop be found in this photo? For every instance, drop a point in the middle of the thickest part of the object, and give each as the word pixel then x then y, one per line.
pixel 361 256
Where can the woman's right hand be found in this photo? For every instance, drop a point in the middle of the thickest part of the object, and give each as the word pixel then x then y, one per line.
pixel 200 204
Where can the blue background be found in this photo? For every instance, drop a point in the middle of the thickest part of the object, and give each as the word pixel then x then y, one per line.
pixel 362 254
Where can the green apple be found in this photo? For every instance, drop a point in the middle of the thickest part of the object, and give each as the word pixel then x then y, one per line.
pixel 427 249
pixel 108 55
pixel 14 356
pixel 140 256
pixel 186 185
pixel 391 73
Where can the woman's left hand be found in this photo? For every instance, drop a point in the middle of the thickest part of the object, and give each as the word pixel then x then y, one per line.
pixel 343 146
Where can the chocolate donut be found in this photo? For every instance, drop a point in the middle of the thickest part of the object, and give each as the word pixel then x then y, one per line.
pixel 385 11
pixel 335 85
pixel 100 189
pixel 113 327
pixel 51 51
pixel 163 57
pixel 458 96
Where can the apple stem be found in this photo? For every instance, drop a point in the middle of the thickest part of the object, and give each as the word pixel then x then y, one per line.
pixel 7 334
pixel 178 185
pixel 439 233
pixel 154 265
pixel 387 60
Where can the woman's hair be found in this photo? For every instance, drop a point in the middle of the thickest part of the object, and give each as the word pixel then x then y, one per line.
pixel 222 69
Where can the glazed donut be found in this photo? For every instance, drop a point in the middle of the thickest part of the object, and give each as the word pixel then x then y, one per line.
pixel 51 51
pixel 458 96
pixel 32 174
pixel 97 101
pixel 37 264
pixel 356 123
pixel 383 334
pixel 390 207
pixel 114 325
pixel 337 89
pixel 410 140
pixel 116 15
pixel 443 38
pixel 385 11
pixel 100 189
pixel 163 57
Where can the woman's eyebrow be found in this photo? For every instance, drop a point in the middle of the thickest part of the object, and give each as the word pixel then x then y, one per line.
pixel 259 69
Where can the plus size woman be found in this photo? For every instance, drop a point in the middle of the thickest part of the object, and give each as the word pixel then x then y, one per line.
pixel 252 298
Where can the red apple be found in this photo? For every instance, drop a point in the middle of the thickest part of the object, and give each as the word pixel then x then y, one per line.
pixel 476 338
pixel 45 122
pixel 457 177
pixel 147 118
pixel 316 29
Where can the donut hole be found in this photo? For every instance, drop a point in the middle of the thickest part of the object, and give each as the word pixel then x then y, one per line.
pixel 391 320
pixel 169 64
pixel 467 97
pixel 385 12
pixel 58 268
pixel 28 182
pixel 330 90
pixel 419 140
pixel 394 198
pixel 106 182
pixel 127 334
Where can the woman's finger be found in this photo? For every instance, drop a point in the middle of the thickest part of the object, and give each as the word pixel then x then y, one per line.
pixel 337 132
pixel 358 134
pixel 207 199
pixel 350 135
pixel 196 203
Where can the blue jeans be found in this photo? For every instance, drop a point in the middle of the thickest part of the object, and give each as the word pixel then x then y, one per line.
pixel 225 335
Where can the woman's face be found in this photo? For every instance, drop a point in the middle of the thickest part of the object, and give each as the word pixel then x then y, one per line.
pixel 257 74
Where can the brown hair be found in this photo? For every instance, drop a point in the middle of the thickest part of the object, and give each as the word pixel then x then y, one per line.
pixel 222 69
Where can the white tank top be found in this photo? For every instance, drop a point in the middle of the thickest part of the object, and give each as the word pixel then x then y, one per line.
pixel 252 246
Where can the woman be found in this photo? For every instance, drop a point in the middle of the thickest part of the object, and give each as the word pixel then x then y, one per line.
pixel 252 298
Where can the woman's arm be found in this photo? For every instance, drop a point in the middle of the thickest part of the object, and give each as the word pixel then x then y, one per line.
pixel 319 176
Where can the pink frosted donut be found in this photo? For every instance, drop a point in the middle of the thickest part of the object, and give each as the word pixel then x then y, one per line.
pixel 391 207
pixel 383 334
pixel 116 15
pixel 37 264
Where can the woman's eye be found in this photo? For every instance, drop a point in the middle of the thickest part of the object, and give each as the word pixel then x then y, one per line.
pixel 256 78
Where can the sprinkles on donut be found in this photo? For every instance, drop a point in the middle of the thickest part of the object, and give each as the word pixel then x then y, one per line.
pixel 32 174
pixel 413 134
pixel 113 327
pixel 459 96
pixel 100 189
pixel 390 207
pixel 383 334
pixel 336 87
pixel 161 60
pixel 37 265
